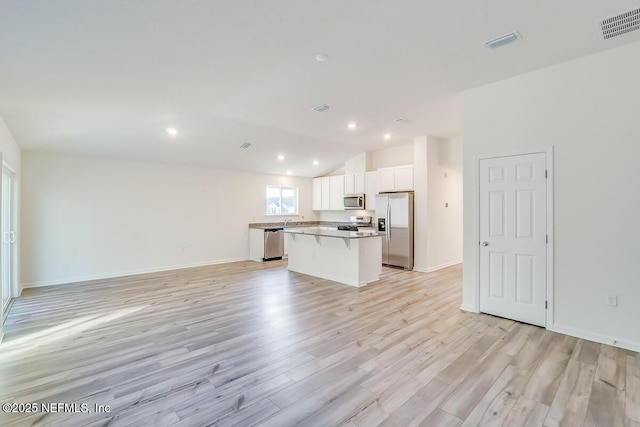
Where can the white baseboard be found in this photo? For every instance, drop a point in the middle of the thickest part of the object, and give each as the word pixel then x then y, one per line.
pixel 470 308
pixel 437 267
pixel 592 336
pixel 125 273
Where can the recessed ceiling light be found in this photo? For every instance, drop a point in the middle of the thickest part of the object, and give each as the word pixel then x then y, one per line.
pixel 280 157
pixel 387 136
pixel 352 125
pixel 322 57
pixel 316 163
pixel 171 131
pixel 288 172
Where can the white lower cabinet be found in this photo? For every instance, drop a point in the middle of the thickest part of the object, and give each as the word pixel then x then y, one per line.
pixel 256 244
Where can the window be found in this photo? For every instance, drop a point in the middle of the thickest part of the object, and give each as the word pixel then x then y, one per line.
pixel 282 201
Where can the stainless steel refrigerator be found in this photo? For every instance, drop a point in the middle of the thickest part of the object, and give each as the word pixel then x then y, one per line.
pixel 394 221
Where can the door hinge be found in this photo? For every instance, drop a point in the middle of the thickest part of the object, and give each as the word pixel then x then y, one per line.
pixel 546 305
pixel 546 239
pixel 546 174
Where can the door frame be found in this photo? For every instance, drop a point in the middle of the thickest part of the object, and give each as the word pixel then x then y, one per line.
pixel 549 217
pixel 14 288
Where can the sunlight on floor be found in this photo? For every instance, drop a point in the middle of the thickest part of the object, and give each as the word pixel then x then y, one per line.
pixel 18 346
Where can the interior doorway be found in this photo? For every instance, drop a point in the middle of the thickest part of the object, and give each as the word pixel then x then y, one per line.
pixel 8 233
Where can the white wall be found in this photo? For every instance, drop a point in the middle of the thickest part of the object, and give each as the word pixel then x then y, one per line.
pixel 444 214
pixel 86 217
pixel 356 164
pixel 392 156
pixel 438 183
pixel 8 147
pixel 420 204
pixel 10 154
pixel 587 110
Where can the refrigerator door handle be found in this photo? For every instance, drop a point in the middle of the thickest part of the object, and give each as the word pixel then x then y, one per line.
pixel 388 223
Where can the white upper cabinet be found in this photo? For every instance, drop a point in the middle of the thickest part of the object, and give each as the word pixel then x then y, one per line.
pixel 317 194
pixel 329 191
pixel 336 202
pixel 371 189
pixel 386 179
pixel 326 193
pixel 354 183
pixel 360 186
pixel 404 177
pixel 399 178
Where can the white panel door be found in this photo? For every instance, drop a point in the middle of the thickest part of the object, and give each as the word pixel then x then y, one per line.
pixel 513 234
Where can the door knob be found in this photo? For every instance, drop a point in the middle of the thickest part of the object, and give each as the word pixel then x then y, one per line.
pixel 485 243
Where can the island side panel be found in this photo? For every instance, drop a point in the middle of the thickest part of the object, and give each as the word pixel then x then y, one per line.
pixel 370 260
pixel 333 258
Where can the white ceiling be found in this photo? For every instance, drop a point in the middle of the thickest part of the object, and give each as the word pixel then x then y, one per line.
pixel 106 77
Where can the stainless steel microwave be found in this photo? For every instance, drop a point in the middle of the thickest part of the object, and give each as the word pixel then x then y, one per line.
pixel 355 201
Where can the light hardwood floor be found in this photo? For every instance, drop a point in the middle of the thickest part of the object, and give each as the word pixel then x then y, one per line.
pixel 253 344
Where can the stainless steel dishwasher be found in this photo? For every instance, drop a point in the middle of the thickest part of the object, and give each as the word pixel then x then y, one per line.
pixel 273 243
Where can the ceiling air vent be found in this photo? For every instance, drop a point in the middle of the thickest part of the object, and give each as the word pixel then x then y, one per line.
pixel 245 145
pixel 620 24
pixel 320 108
pixel 502 40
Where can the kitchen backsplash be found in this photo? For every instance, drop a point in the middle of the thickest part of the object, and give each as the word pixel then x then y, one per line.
pixel 343 216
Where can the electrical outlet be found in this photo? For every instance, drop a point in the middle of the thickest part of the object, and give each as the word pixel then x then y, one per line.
pixel 612 300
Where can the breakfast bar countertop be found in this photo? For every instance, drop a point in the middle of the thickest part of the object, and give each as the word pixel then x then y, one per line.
pixel 331 232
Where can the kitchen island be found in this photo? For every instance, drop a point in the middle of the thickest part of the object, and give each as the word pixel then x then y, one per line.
pixel 350 257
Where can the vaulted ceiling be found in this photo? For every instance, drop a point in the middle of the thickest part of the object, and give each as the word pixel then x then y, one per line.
pixel 107 77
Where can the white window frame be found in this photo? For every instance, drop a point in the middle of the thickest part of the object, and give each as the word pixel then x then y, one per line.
pixel 295 189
